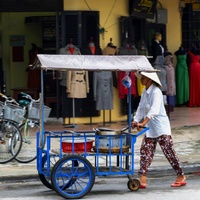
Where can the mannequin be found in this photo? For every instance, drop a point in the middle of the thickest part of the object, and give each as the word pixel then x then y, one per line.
pixel 91 49
pixel 142 48
pixel 182 77
pixel 156 47
pixel 103 90
pixel 171 85
pixel 127 48
pixel 110 49
pixel 162 74
pixel 103 84
pixel 194 78
pixel 69 49
pixel 33 73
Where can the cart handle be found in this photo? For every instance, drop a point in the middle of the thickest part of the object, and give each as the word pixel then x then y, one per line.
pixel 72 132
pixel 141 132
pixel 65 131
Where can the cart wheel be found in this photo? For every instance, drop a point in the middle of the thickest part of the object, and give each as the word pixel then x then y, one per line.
pixel 73 177
pixel 46 180
pixel 133 184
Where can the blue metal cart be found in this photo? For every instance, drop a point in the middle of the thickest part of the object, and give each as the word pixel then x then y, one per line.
pixel 67 161
pixel 70 169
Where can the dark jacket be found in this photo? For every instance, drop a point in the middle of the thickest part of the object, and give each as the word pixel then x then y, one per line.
pixel 156 50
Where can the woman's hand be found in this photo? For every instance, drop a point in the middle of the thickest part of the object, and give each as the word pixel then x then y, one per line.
pixel 134 124
pixel 138 125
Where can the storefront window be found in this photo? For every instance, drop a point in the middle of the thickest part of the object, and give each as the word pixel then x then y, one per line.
pixel 0 45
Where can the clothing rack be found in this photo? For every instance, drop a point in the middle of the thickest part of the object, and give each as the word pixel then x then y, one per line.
pixel 73 125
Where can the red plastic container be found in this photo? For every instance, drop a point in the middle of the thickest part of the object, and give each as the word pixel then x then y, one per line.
pixel 78 144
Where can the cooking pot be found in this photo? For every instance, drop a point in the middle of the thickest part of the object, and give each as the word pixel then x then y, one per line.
pixel 107 131
pixel 109 138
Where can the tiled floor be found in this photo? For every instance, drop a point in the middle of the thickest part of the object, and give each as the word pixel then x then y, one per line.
pixel 181 116
pixel 185 116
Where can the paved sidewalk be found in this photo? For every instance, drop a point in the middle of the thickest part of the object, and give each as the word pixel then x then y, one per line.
pixel 185 124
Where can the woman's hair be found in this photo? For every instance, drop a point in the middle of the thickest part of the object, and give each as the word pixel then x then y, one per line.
pixel 156 84
pixel 157 34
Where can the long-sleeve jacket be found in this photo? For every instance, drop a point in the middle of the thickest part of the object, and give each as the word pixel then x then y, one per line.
pixel 152 106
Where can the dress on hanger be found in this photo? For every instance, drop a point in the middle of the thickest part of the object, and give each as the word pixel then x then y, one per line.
pixel 77 85
pixel 89 104
pixel 182 78
pixel 103 90
pixel 103 84
pixel 162 74
pixel 194 79
pixel 171 85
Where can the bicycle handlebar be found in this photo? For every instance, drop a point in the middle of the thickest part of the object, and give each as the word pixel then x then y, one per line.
pixel 8 99
pixel 29 97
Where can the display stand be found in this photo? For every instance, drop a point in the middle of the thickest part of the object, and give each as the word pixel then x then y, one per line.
pixel 73 125
pixel 104 119
pixel 110 118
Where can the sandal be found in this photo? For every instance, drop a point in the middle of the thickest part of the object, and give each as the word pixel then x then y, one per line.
pixel 178 184
pixel 143 182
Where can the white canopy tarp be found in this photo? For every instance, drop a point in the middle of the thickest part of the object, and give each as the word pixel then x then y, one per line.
pixel 94 62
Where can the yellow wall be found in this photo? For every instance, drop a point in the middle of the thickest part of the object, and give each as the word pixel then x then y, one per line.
pixel 13 24
pixel 174 24
pixel 121 9
pixel 110 23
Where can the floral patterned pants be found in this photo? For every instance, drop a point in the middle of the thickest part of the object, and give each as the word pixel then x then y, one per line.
pixel 147 151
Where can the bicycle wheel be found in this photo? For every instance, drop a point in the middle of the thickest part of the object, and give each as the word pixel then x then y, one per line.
pixel 11 142
pixel 73 177
pixel 28 151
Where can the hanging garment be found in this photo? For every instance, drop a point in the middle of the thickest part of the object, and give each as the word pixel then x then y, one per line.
pixel 182 80
pixel 67 50
pixel 170 73
pixel 162 74
pixel 77 84
pixel 123 91
pixel 127 49
pixel 34 75
pixel 110 51
pixel 194 79
pixel 171 84
pixel 103 90
pixel 156 49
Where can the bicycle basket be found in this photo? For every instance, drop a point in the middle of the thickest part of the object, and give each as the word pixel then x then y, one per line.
pixel 14 113
pixel 34 111
pixel 1 107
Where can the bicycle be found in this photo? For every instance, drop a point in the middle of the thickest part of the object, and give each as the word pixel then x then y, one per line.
pixel 10 139
pixel 29 128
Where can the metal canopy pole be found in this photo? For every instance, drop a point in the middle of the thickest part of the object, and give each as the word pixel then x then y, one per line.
pixel 42 111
